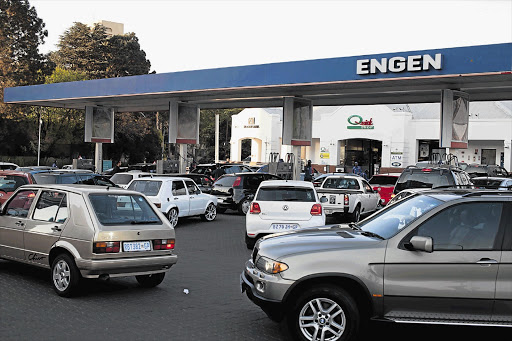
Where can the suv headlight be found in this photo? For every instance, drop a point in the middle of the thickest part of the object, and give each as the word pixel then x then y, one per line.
pixel 270 266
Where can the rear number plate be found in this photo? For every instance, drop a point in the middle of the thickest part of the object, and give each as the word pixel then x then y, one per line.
pixel 136 246
pixel 283 226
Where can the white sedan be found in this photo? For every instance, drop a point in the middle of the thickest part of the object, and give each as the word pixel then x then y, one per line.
pixel 177 197
pixel 282 205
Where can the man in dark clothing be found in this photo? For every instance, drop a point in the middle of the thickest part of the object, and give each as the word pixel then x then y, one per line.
pixel 117 168
pixel 308 172
pixel 218 172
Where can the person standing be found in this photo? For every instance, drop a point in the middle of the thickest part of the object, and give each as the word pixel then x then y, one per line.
pixel 308 172
pixel 356 169
pixel 117 168
pixel 218 172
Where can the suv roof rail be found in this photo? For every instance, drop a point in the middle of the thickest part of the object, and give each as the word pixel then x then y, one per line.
pixel 487 192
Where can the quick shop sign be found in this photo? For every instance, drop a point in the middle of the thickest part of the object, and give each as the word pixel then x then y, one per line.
pixel 399 64
pixel 357 122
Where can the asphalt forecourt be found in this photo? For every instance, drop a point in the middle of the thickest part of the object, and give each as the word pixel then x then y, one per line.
pixel 199 299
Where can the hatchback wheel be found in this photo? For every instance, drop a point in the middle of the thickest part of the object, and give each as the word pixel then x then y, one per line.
pixel 65 275
pixel 150 281
pixel 324 313
pixel 173 217
pixel 210 213
pixel 244 206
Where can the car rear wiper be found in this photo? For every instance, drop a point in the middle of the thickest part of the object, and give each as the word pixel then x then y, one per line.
pixel 371 234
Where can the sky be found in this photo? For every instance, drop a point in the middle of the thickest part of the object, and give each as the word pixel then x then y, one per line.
pixel 193 34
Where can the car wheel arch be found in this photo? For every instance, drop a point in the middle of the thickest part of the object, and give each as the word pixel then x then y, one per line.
pixel 58 250
pixel 350 283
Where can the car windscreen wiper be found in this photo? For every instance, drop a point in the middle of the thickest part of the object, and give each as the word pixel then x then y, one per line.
pixel 371 234
pixel 354 226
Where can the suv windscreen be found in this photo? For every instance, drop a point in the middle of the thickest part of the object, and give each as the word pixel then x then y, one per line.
pixel 150 188
pixel 424 179
pixel 286 194
pixel 383 180
pixel 121 209
pixel 226 181
pixel 121 179
pixel 390 221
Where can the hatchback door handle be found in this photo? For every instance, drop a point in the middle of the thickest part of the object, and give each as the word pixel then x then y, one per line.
pixel 487 261
pixel 56 228
pixel 176 198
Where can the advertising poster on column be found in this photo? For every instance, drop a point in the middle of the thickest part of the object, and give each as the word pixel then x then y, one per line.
pixel 183 123
pixel 99 124
pixel 454 119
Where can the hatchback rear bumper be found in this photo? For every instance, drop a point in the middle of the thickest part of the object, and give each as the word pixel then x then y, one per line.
pixel 125 266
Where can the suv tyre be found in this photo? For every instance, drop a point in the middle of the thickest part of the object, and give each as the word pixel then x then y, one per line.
pixel 325 309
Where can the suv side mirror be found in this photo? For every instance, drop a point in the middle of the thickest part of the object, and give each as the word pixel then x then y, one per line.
pixel 323 199
pixel 421 243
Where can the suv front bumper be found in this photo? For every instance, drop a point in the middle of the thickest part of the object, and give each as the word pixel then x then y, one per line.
pixel 264 290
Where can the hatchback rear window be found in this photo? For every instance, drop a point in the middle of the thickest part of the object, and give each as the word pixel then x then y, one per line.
pixel 286 194
pixel 226 181
pixel 121 179
pixel 383 180
pixel 150 188
pixel 431 179
pixel 42 178
pixel 9 183
pixel 122 209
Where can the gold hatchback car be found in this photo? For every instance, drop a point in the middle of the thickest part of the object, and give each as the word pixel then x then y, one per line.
pixel 81 231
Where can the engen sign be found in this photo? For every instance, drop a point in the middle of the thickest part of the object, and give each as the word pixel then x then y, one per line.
pixel 399 64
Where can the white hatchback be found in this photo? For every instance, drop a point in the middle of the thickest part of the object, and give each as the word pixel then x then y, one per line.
pixel 282 205
pixel 177 197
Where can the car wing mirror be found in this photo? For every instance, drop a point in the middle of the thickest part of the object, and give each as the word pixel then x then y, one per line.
pixel 420 243
pixel 323 199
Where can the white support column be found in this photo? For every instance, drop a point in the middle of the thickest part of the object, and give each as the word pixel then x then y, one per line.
pixel 507 155
pixel 217 138
pixel 296 167
pixel 98 157
pixel 183 157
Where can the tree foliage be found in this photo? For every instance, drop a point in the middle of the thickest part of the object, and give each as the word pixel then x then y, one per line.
pixel 21 33
pixel 91 51
pixel 207 134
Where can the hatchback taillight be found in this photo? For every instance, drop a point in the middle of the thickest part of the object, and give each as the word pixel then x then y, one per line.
pixel 345 199
pixel 163 244
pixel 106 247
pixel 237 181
pixel 255 208
pixel 316 209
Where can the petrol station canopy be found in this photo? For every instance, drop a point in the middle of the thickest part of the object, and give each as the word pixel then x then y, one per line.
pixel 484 72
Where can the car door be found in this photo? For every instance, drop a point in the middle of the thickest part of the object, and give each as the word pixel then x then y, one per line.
pixel 12 224
pixel 372 197
pixel 457 280
pixel 503 305
pixel 180 198
pixel 197 200
pixel 47 222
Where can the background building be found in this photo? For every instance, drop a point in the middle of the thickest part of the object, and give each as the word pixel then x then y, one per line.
pixel 378 136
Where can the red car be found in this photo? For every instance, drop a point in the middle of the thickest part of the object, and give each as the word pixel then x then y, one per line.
pixel 384 184
pixel 10 181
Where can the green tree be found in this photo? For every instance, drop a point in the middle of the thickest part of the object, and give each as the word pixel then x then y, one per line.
pixel 21 33
pixel 90 50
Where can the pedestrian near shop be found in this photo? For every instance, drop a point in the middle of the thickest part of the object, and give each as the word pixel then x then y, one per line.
pixel 308 172
pixel 218 172
pixel 356 169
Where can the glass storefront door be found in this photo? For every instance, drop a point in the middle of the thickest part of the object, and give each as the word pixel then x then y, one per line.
pixel 367 153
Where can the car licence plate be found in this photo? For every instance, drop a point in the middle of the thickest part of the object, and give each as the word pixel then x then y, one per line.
pixel 136 246
pixel 283 226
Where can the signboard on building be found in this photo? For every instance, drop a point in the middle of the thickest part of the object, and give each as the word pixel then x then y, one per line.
pixel 324 153
pixel 251 123
pixel 357 122
pixel 396 159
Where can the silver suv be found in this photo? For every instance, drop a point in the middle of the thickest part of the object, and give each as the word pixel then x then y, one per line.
pixel 439 256
pixel 81 231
